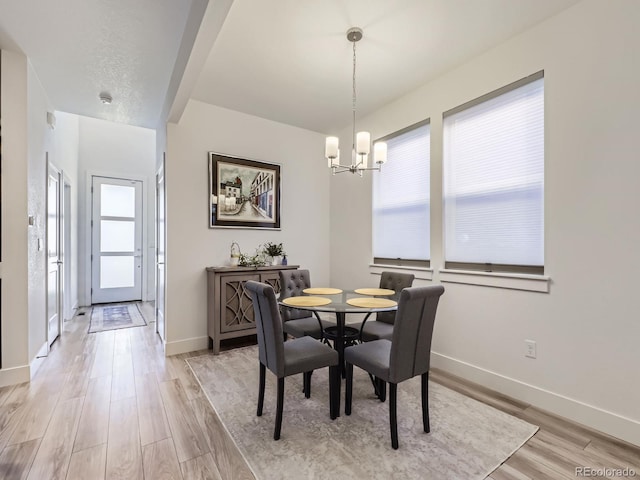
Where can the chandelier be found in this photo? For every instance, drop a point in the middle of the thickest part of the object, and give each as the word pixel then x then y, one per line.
pixel 361 146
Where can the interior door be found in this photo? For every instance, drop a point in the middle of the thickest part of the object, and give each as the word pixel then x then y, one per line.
pixel 116 238
pixel 160 243
pixel 54 258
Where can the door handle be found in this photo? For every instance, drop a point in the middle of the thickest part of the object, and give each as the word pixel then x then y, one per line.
pixel 59 262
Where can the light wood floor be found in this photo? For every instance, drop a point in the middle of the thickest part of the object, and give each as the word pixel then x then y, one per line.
pixel 110 405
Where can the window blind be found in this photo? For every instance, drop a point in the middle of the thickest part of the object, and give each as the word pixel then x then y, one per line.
pixel 494 179
pixel 401 197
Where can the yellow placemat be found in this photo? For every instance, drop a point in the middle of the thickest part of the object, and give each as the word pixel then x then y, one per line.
pixel 371 302
pixel 306 301
pixel 374 291
pixel 322 291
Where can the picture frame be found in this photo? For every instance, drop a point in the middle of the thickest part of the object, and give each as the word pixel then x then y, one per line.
pixel 243 193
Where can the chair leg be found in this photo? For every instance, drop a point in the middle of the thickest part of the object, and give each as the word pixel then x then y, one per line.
pixel 393 419
pixel 349 389
pixel 276 432
pixel 261 390
pixel 382 389
pixel 306 376
pixel 425 402
pixel 334 392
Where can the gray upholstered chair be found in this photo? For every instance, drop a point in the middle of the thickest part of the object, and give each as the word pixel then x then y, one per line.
pixel 405 356
pixel 299 323
pixel 300 355
pixel 382 326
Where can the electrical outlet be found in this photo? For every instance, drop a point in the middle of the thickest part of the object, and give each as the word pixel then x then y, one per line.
pixel 530 348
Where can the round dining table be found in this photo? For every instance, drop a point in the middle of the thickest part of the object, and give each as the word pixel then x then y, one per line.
pixel 341 303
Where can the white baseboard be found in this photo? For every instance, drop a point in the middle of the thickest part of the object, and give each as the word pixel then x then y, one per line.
pixel 38 360
pixel 185 346
pixel 13 375
pixel 607 422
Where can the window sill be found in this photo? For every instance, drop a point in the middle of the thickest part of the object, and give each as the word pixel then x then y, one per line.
pixel 422 273
pixel 513 281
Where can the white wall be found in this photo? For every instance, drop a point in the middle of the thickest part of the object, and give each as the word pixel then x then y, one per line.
pixel 587 326
pixel 192 246
pixel 13 267
pixel 124 151
pixel 40 143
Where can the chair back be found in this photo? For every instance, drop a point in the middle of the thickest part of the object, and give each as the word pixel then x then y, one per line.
pixel 413 331
pixel 292 283
pixel 268 326
pixel 397 282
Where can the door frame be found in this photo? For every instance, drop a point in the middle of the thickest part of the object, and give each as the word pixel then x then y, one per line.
pixel 68 307
pixel 51 167
pixel 86 231
pixel 161 309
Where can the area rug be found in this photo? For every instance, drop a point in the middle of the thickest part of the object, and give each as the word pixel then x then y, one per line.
pixel 114 316
pixel 468 439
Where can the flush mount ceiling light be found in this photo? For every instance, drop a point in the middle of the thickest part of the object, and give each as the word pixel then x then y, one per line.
pixel 105 98
pixel 361 145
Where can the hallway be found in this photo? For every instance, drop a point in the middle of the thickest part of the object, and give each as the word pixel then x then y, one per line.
pixel 111 405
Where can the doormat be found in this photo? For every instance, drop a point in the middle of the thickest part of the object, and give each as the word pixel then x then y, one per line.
pixel 115 316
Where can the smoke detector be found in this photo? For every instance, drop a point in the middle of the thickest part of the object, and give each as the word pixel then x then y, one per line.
pixel 105 98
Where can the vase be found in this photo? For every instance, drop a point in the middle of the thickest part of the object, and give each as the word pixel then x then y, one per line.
pixel 275 260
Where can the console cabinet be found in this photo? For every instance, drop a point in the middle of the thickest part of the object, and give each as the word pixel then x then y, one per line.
pixel 229 306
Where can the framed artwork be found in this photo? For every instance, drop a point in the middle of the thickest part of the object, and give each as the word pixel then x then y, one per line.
pixel 243 193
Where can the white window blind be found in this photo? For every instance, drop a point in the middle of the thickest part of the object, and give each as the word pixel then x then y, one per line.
pixel 401 197
pixel 494 178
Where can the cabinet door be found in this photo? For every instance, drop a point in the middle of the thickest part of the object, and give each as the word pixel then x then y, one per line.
pixel 236 309
pixel 273 279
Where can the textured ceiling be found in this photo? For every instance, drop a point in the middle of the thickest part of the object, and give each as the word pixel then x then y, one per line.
pixel 285 60
pixel 79 48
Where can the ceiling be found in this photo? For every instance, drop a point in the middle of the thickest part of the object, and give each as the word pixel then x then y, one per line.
pixel 285 60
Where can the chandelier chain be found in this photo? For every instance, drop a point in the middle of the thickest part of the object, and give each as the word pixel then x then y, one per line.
pixel 354 93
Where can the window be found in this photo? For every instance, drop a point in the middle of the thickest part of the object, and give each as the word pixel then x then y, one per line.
pixel 494 180
pixel 401 199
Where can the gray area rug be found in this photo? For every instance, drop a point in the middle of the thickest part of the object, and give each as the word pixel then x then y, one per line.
pixel 468 439
pixel 114 316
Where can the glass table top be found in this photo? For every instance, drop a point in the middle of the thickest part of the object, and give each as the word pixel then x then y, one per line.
pixel 339 304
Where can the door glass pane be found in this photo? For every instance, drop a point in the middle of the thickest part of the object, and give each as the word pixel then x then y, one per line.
pixel 116 272
pixel 117 201
pixel 117 236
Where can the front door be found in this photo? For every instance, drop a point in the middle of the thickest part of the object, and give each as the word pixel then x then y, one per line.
pixel 116 237
pixel 54 258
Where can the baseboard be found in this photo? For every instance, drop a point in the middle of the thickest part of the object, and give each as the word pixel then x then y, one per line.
pixel 607 422
pixel 38 360
pixel 13 375
pixel 185 346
